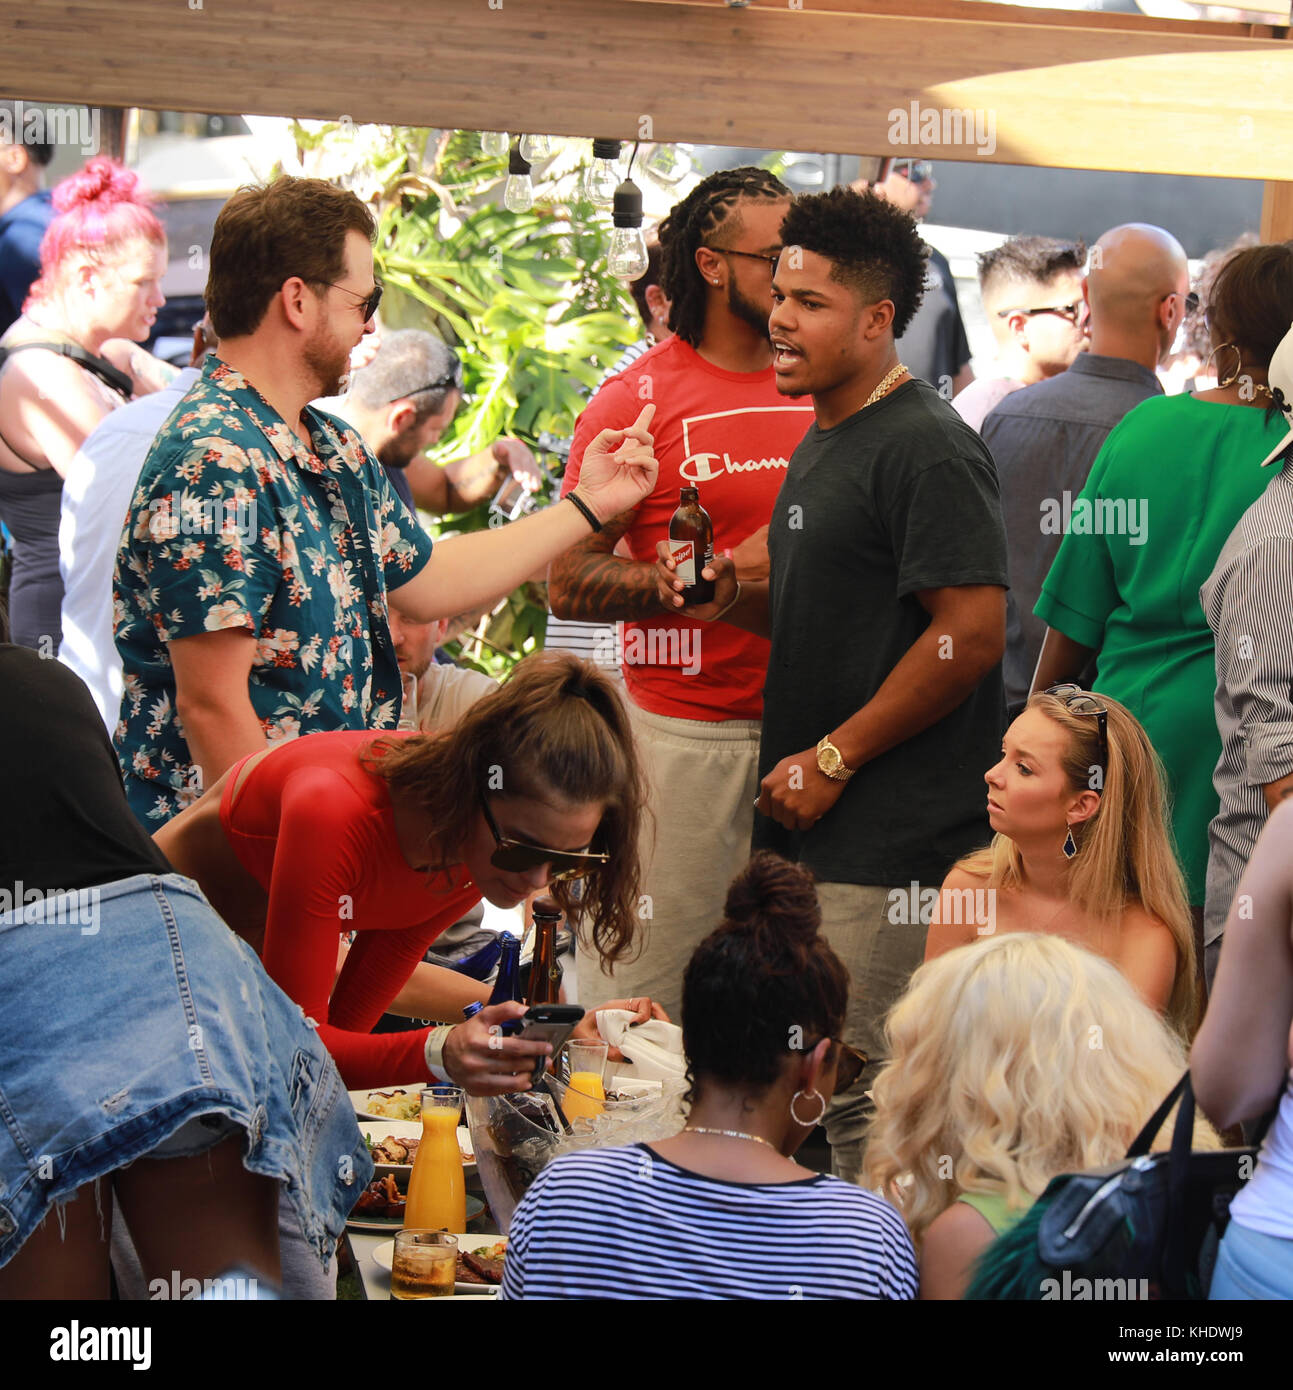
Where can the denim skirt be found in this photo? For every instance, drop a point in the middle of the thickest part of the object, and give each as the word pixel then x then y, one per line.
pixel 130 1011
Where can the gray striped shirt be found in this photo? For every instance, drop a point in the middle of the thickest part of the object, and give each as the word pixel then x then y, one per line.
pixel 1248 600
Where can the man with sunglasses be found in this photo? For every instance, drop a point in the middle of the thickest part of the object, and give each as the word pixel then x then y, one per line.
pixel 1045 437
pixel 934 344
pixel 264 542
pixel 1031 287
pixel 401 402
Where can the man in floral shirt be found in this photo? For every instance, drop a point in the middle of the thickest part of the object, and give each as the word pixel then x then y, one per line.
pixel 252 582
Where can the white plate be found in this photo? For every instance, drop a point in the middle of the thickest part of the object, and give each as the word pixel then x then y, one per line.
pixel 409 1129
pixel 384 1253
pixel 359 1099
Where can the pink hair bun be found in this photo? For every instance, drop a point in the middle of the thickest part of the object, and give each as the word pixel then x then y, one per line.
pixel 103 183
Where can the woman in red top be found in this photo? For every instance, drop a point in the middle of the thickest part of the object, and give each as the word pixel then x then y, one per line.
pixel 396 836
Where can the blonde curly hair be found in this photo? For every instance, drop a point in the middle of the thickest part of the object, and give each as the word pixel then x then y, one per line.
pixel 1013 1060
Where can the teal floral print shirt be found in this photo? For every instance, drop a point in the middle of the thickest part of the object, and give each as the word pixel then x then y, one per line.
pixel 235 523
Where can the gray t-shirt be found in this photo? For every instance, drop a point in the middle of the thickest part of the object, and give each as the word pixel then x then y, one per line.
pixel 1246 600
pixel 1044 440
pixel 899 498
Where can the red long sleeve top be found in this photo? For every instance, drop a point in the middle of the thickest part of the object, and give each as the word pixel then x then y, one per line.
pixel 317 831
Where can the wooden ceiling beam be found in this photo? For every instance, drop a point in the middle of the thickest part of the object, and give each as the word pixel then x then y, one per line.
pixel 834 76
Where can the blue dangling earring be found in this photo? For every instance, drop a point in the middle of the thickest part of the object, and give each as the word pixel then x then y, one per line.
pixel 1070 845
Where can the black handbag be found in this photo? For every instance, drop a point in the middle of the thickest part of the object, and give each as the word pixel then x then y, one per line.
pixel 1145 1228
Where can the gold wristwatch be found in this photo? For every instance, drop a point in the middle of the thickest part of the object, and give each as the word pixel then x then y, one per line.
pixel 830 762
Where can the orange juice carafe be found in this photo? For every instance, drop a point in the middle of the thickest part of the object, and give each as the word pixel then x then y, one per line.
pixel 437 1198
pixel 584 1095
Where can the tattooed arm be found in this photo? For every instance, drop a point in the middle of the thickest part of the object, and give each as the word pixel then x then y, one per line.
pixel 592 584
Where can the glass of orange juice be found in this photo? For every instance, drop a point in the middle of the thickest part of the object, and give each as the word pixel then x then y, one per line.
pixel 437 1197
pixel 586 1087
pixel 423 1265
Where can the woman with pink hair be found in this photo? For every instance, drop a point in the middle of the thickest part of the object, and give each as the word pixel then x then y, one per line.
pixel 69 360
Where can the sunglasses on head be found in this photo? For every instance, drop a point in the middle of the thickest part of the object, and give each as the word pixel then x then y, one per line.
pixel 452 379
pixel 1081 701
pixel 520 857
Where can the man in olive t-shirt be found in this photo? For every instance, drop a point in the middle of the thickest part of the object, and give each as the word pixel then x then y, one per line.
pixel 886 609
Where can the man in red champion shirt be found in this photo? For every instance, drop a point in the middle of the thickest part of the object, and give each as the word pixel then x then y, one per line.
pixel 694 690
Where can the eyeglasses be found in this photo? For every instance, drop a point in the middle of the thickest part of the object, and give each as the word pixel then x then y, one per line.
pixel 371 301
pixel 850 1064
pixel 749 255
pixel 454 380
pixel 1191 300
pixel 519 857
pixel 1072 312
pixel 915 171
pixel 1083 702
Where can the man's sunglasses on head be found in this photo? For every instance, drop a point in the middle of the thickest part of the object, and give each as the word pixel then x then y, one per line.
pixel 450 379
pixel 520 857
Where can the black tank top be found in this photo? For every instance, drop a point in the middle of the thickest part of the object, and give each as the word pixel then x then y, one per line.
pixel 65 822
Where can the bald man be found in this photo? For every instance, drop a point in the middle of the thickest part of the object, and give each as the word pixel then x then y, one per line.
pixel 1045 438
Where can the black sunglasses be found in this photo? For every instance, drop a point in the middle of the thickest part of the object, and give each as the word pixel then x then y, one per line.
pixel 1083 702
pixel 749 255
pixel 1072 312
pixel 519 857
pixel 454 380
pixel 370 301
pixel 850 1064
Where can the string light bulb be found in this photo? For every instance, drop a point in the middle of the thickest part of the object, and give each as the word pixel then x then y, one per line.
pixel 493 143
pixel 602 176
pixel 535 147
pixel 628 253
pixel 518 191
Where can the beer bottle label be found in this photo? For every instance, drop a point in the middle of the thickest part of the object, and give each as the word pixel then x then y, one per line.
pixel 683 554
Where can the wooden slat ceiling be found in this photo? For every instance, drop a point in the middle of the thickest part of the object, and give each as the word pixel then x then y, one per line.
pixel 1076 90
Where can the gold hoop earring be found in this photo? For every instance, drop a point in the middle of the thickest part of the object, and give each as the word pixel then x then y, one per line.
pixel 1239 364
pixel 817 1119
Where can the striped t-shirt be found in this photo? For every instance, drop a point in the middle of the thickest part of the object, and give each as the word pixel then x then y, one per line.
pixel 626 1224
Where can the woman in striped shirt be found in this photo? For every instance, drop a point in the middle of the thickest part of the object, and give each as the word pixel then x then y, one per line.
pixel 722 1210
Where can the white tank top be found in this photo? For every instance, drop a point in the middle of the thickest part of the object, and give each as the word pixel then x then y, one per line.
pixel 1265 1202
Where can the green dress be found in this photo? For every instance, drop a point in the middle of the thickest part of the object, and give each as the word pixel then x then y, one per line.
pixel 1165 492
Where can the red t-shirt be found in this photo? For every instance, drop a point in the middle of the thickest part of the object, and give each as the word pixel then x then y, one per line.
pixel 316 830
pixel 730 434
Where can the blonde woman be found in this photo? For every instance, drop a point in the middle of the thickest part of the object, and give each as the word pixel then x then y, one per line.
pixel 1081 850
pixel 1012 1062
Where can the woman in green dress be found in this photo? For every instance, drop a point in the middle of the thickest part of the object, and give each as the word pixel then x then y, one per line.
pixel 1168 487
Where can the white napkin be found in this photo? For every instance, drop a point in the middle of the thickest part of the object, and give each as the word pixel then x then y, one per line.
pixel 654 1048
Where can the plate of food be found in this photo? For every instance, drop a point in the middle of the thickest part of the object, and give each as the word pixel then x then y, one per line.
pixel 381 1207
pixel 394 1146
pixel 400 1103
pixel 480 1262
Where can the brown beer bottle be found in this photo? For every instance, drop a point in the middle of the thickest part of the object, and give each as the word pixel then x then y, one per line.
pixel 545 973
pixel 691 546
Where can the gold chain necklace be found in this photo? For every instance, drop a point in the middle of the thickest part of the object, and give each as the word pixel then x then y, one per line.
pixel 884 386
pixel 729 1134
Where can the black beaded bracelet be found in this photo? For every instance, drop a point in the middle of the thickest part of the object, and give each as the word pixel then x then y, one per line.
pixel 586 509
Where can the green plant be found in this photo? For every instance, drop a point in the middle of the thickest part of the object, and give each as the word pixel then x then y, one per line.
pixel 525 298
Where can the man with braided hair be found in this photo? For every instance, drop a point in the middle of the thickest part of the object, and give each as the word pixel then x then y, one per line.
pixel 720 425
